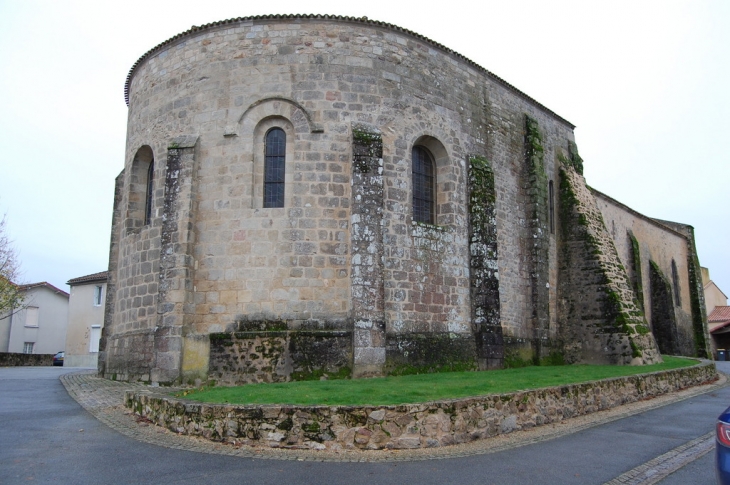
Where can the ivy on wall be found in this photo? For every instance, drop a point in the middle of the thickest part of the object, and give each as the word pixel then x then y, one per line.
pixel 637 280
pixel 538 214
pixel 484 274
pixel 615 323
pixel 697 300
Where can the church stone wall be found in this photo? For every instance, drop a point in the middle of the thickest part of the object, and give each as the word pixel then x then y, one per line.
pixel 665 257
pixel 602 321
pixel 344 253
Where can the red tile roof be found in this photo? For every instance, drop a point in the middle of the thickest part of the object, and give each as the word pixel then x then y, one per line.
pixel 719 314
pixel 91 278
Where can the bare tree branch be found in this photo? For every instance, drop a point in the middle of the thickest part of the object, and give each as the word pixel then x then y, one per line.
pixel 11 298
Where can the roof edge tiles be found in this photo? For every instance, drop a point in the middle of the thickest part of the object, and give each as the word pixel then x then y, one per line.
pixel 362 20
pixel 719 313
pixel 101 276
pixel 45 284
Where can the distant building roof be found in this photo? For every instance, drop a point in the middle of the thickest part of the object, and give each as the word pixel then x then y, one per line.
pixel 719 320
pixel 719 314
pixel 91 278
pixel 712 283
pixel 42 284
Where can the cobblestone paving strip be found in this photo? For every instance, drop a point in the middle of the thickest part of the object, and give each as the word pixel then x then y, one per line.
pixel 664 465
pixel 104 400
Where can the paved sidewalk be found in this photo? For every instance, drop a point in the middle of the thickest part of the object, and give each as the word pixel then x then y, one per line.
pixel 104 400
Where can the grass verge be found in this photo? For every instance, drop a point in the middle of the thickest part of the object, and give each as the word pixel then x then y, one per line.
pixel 421 387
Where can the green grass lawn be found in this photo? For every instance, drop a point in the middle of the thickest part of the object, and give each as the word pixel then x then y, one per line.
pixel 421 387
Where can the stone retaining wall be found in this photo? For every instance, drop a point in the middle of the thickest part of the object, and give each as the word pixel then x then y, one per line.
pixel 433 424
pixel 11 359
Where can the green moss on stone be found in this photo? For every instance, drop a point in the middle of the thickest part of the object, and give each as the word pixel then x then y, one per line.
pixel 422 353
pixel 367 147
pixel 317 374
pixel 553 358
pixel 311 427
pixel 245 325
pixel 575 160
pixel 636 263
pixel 286 425
pixel 697 301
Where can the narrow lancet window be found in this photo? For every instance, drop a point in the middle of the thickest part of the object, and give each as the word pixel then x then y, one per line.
pixel 551 206
pixel 274 162
pixel 423 186
pixel 148 195
pixel 675 284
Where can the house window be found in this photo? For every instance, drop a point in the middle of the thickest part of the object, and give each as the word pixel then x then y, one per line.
pixel 94 338
pixel 28 347
pixel 98 295
pixel 274 161
pixel 31 316
pixel 423 186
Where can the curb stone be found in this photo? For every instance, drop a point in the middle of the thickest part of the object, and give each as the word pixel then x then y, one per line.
pixel 664 465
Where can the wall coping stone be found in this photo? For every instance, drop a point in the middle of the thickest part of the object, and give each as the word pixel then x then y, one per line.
pixel 406 426
pixel 655 222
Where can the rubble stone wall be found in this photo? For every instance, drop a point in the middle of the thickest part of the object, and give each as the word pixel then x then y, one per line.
pixel 267 351
pixel 11 359
pixel 433 424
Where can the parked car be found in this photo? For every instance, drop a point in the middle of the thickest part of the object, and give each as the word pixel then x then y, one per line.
pixel 58 358
pixel 722 448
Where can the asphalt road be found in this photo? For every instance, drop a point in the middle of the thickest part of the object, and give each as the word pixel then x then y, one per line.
pixel 46 437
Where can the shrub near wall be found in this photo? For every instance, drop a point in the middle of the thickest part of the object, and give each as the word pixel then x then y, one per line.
pixel 8 359
pixel 440 423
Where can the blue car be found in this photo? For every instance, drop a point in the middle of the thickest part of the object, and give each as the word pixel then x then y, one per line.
pixel 722 448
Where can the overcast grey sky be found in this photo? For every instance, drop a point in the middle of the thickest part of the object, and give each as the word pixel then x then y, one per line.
pixel 647 83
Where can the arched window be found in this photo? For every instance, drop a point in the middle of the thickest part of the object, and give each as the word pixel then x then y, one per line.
pixel 148 194
pixel 274 158
pixel 423 186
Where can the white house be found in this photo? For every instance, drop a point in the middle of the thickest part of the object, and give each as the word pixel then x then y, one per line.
pixel 714 296
pixel 40 326
pixel 85 319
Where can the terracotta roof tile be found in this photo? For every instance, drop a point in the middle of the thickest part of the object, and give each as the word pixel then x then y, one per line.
pixel 101 276
pixel 719 314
